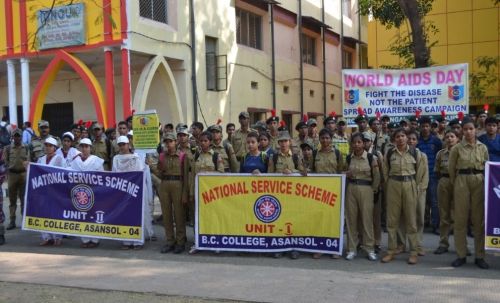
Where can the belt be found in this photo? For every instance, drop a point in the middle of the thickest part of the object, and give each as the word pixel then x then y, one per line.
pixel 445 175
pixel 403 178
pixel 16 171
pixel 359 182
pixel 470 171
pixel 171 178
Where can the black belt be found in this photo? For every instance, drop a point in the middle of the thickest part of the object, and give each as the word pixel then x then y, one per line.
pixel 445 175
pixel 16 171
pixel 359 182
pixel 171 178
pixel 403 178
pixel 470 171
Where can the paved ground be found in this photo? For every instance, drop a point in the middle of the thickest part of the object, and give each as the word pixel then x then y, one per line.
pixel 28 270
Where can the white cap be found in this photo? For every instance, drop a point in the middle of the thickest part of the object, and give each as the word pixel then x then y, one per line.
pixel 51 141
pixel 85 141
pixel 122 139
pixel 70 135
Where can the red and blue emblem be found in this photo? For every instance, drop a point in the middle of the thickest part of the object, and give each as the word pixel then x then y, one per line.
pixel 267 209
pixel 456 92
pixel 351 96
pixel 82 197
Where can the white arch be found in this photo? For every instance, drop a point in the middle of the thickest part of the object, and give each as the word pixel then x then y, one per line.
pixel 144 85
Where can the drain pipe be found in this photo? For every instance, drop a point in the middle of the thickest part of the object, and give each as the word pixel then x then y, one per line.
pixel 193 60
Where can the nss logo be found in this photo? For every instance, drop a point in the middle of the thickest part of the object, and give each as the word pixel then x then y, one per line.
pixel 82 197
pixel 267 209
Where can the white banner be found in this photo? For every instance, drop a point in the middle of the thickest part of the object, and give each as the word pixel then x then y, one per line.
pixel 401 93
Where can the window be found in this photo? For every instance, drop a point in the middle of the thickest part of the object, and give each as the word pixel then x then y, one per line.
pixel 154 9
pixel 248 29
pixel 254 85
pixel 363 50
pixel 347 8
pixel 286 89
pixel 211 62
pixel 347 59
pixel 308 50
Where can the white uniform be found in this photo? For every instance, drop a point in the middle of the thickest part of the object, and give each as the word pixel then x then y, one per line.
pixel 56 161
pixel 72 153
pixel 92 163
pixel 133 162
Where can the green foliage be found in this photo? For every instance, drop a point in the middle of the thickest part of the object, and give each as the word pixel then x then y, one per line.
pixel 389 12
pixel 485 78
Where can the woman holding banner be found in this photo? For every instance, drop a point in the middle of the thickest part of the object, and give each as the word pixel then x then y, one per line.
pixel 51 159
pixel 67 151
pixel 87 162
pixel 466 168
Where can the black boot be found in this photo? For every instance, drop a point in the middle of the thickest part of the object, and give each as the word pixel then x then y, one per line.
pixel 12 224
pixel 459 262
pixel 2 239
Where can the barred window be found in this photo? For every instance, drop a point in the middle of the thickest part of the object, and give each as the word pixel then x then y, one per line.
pixel 347 59
pixel 308 50
pixel 248 29
pixel 154 9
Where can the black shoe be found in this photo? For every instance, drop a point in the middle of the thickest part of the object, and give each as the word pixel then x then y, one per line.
pixel 277 255
pixel 11 225
pixel 440 250
pixel 179 249
pixel 459 262
pixel 481 263
pixel 468 254
pixel 294 255
pixel 435 231
pixel 377 249
pixel 2 239
pixel 167 248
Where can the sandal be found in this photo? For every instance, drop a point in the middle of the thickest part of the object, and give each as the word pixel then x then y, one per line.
pixel 92 245
pixel 138 247
pixel 84 245
pixel 46 243
pixel 126 247
pixel 57 242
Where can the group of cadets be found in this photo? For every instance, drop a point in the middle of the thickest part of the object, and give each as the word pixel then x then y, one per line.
pixel 401 176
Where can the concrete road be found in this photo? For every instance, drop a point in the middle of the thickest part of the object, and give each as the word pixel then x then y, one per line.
pixel 229 276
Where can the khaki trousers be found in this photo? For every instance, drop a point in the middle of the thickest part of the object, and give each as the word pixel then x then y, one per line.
pixel 170 193
pixel 445 204
pixel 17 185
pixel 359 205
pixel 469 197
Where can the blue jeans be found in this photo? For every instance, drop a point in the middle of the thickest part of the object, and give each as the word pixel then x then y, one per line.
pixel 432 201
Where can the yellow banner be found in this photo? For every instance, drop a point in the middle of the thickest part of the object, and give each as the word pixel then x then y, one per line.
pixel 270 212
pixel 146 133
pixel 85 229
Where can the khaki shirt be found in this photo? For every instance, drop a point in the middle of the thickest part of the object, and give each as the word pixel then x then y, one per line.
pixel 239 142
pixel 315 140
pixel 14 156
pixel 467 156
pixel 273 142
pixel 295 145
pixel 326 162
pixel 360 169
pixel 442 162
pixel 99 149
pixel 404 164
pixel 230 162
pixel 204 163
pixel 285 161
pixel 170 165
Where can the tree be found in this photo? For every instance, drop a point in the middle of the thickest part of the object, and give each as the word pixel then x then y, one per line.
pixel 393 13
pixel 484 78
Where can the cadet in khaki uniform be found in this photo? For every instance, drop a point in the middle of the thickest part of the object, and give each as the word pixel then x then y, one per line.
pixel 466 168
pixel 302 129
pixel 272 126
pixel 16 155
pixel 284 161
pixel 328 159
pixel 312 132
pixel 205 160
pixel 37 143
pixel 445 191
pixel 173 170
pixel 363 178
pixel 226 150
pixel 239 138
pixel 101 147
pixel 402 170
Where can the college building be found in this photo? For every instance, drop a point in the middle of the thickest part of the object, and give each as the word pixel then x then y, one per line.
pixel 190 60
pixel 467 29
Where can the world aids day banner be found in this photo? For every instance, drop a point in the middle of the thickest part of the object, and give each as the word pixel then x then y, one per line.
pixel 270 213
pixel 401 93
pixel 104 205
pixel 492 207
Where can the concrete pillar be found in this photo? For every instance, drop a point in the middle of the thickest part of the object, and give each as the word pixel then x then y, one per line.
pixel 25 84
pixel 11 84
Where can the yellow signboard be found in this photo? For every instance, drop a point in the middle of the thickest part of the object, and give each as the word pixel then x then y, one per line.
pixel 146 133
pixel 270 212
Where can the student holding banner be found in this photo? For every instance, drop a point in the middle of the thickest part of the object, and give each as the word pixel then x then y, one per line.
pixel 52 159
pixel 466 167
pixel 363 179
pixel 67 151
pixel 123 162
pixel 84 161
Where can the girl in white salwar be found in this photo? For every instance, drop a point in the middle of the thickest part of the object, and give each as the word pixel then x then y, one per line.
pixel 84 161
pixel 51 159
pixel 123 162
pixel 67 151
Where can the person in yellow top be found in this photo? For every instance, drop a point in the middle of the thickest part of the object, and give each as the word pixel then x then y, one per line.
pixel 173 170
pixel 363 179
pixel 403 169
pixel 466 168
pixel 204 160
pixel 445 191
